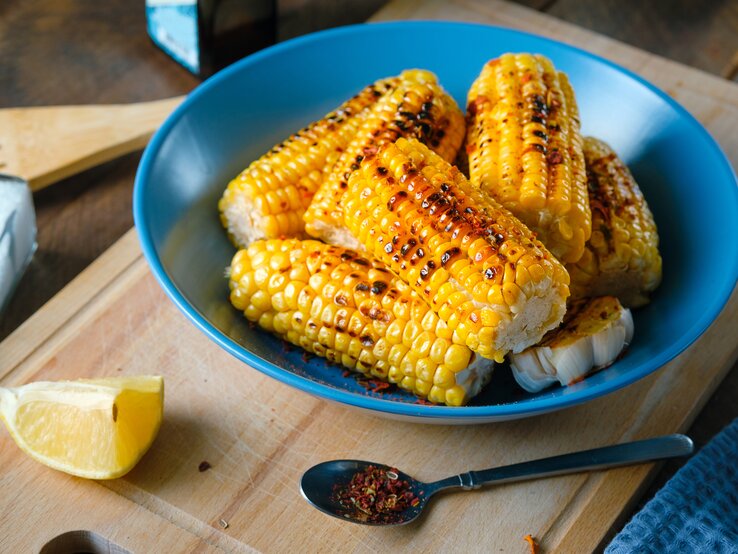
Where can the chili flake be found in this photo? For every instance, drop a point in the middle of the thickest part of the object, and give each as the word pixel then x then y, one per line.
pixel 532 543
pixel 375 495
pixel 374 385
pixel 423 402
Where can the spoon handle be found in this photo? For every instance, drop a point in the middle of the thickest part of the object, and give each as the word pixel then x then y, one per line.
pixel 669 446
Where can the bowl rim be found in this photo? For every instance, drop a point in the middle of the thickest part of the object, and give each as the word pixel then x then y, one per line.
pixel 486 413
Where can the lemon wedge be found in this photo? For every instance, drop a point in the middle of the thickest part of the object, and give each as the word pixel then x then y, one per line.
pixel 93 428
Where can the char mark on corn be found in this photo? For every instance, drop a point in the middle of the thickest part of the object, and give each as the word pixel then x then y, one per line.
pixel 481 270
pixel 622 257
pixel 418 107
pixel 524 149
pixel 269 198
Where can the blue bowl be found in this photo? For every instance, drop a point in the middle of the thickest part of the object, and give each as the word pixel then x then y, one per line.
pixel 238 114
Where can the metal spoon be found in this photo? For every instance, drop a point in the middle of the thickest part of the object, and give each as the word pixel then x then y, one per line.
pixel 318 482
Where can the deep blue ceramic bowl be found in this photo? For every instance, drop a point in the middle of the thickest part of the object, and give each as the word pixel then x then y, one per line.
pixel 238 114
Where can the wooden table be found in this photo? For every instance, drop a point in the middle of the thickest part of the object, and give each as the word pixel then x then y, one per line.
pixel 79 53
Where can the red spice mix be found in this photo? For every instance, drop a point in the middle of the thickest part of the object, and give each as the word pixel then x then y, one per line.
pixel 375 495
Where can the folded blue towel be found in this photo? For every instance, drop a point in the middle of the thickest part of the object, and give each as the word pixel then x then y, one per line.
pixel 696 511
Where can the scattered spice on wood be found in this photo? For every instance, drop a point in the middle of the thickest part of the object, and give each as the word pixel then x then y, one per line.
pixel 204 466
pixel 375 495
pixel 532 543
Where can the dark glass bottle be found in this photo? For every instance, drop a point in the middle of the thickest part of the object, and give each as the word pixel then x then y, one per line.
pixel 205 36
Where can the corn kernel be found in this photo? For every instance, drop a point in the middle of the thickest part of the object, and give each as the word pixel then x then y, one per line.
pixel 409 333
pixel 341 342
pixel 394 375
pixel 511 293
pixel 438 350
pixel 239 299
pixel 276 283
pixel 380 369
pixel 261 277
pixel 367 358
pixel 311 330
pixel 456 358
pixel 408 364
pixel 407 383
pixel 429 321
pixel 396 354
pixel 355 348
pixel 265 321
pixel 422 387
pixel 279 261
pixel 252 313
pixel 326 337
pixel 422 344
pixel 437 394
pixel 444 377
pixel 455 396
pixel 262 300
pixel 425 369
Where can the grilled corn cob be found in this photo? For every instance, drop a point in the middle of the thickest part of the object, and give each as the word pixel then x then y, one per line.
pixel 269 197
pixel 418 107
pixel 481 270
pixel 525 149
pixel 622 257
pixel 352 311
pixel 594 333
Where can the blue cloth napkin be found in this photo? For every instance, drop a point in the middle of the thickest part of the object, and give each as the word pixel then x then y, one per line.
pixel 696 511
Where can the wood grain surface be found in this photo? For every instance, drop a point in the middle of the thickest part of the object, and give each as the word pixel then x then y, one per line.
pixel 82 216
pixel 699 34
pixel 74 138
pixel 260 435
pixel 78 52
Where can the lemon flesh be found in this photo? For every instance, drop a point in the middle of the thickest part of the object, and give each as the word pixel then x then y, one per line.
pixel 93 428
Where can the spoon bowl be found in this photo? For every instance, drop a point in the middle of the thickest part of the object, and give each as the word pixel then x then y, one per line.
pixel 319 483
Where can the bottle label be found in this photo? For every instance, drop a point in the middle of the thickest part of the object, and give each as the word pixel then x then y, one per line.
pixel 172 25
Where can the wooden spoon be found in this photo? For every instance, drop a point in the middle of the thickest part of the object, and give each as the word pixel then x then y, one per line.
pixel 46 144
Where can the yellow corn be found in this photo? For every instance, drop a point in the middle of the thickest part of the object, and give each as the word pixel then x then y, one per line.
pixel 417 107
pixel 622 257
pixel 355 312
pixel 481 270
pixel 270 196
pixel 525 149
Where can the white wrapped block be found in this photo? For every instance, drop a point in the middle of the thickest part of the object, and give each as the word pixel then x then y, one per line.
pixel 17 233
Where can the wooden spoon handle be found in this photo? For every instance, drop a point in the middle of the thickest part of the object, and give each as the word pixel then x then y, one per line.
pixel 46 144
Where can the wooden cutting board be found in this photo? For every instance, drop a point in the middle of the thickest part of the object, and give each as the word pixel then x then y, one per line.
pixel 259 435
